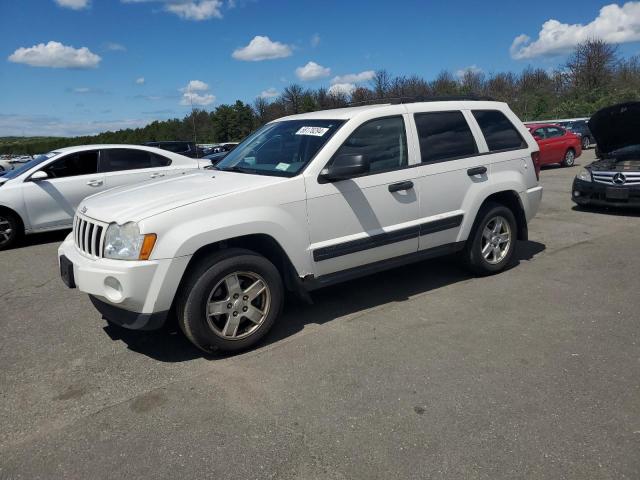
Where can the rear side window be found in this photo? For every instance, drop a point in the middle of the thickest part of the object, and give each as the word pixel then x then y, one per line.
pixel 81 163
pixel 159 160
pixel 498 131
pixel 554 132
pixel 383 141
pixel 444 136
pixel 118 159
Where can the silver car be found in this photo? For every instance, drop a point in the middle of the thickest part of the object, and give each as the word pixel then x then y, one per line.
pixel 43 193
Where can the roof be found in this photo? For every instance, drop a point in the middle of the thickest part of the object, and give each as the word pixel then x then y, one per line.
pixel 79 148
pixel 351 112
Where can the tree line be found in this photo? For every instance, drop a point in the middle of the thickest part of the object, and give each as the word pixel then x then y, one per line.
pixel 593 77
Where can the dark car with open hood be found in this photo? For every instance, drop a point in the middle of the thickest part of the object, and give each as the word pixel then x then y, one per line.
pixel 613 179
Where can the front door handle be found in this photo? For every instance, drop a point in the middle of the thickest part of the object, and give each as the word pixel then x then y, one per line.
pixel 157 175
pixel 477 171
pixel 397 187
pixel 94 183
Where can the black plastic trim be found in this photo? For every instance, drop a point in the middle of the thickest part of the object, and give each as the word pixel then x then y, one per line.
pixel 386 238
pixel 128 319
pixel 325 280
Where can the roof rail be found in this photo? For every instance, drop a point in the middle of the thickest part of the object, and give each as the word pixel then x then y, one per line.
pixel 419 98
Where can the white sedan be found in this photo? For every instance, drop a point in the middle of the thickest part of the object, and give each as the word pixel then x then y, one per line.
pixel 43 194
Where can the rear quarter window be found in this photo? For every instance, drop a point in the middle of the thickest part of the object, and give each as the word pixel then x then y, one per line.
pixel 498 131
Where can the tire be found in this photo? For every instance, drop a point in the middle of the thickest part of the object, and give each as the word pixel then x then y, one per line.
pixel 569 158
pixel 221 283
pixel 483 264
pixel 586 143
pixel 10 230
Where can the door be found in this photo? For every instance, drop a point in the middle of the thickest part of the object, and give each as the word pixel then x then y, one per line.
pixel 126 166
pixel 451 169
pixel 372 217
pixel 546 150
pixel 52 202
pixel 556 144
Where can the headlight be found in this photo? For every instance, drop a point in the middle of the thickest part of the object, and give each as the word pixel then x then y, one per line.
pixel 124 242
pixel 584 175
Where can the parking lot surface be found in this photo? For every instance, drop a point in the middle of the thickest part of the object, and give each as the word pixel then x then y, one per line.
pixel 419 372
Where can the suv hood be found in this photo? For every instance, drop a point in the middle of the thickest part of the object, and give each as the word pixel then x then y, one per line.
pixel 616 127
pixel 133 203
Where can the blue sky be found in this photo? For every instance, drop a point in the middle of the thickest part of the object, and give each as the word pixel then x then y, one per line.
pixel 119 63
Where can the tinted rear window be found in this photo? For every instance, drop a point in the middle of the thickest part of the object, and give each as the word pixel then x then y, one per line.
pixel 444 136
pixel 498 131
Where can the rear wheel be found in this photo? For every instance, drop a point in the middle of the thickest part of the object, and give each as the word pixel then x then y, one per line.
pixel 491 245
pixel 586 143
pixel 10 230
pixel 569 158
pixel 230 301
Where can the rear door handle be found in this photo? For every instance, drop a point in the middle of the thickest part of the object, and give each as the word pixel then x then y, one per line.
pixel 94 183
pixel 157 175
pixel 477 171
pixel 397 187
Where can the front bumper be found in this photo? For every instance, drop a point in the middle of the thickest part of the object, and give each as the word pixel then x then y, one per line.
pixel 600 194
pixel 134 294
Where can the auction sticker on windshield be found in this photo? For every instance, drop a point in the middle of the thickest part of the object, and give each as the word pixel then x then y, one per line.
pixel 315 131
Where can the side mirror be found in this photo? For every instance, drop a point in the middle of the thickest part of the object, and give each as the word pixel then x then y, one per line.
pixel 39 175
pixel 344 167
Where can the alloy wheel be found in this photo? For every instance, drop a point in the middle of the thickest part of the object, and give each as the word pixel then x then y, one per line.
pixel 496 240
pixel 238 305
pixel 569 158
pixel 586 143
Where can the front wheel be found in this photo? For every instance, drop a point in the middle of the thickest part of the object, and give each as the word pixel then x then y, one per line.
pixel 230 301
pixel 569 158
pixel 10 230
pixel 491 245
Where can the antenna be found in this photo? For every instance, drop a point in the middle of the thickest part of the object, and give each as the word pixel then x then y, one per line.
pixel 193 120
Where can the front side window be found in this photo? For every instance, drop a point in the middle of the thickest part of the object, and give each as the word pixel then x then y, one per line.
pixel 444 136
pixel 382 141
pixel 118 159
pixel 79 163
pixel 280 148
pixel 498 131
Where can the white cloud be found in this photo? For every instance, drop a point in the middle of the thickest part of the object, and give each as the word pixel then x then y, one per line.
pixel 354 77
pixel 471 68
pixel 315 40
pixel 312 71
pixel 269 93
pixel 342 88
pixel 55 55
pixel 140 81
pixel 115 47
pixel 73 4
pixel 262 48
pixel 82 90
pixel 614 24
pixel 45 125
pixel 188 9
pixel 202 10
pixel 196 93
pixel 195 86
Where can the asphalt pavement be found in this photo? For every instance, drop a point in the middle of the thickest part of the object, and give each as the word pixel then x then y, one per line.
pixel 419 372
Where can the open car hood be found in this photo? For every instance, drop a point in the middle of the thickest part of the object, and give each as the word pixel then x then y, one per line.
pixel 616 127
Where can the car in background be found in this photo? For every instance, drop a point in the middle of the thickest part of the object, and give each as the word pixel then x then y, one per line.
pixel 188 149
pixel 613 179
pixel 215 157
pixel 581 128
pixel 8 163
pixel 557 145
pixel 43 194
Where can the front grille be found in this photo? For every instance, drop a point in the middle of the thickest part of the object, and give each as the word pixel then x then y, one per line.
pixel 631 178
pixel 89 236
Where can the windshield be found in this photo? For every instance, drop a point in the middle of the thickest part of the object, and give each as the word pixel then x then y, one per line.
pixel 280 148
pixel 30 164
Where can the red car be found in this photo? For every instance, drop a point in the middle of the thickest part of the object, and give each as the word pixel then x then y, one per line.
pixel 557 145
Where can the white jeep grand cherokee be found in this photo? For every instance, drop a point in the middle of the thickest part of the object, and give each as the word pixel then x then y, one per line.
pixel 306 201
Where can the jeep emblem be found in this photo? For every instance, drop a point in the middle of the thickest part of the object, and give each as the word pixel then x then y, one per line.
pixel 84 210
